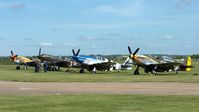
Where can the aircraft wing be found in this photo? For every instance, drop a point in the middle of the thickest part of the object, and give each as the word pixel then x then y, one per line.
pixel 30 63
pixel 160 67
pixel 62 63
pixel 169 64
pixel 104 65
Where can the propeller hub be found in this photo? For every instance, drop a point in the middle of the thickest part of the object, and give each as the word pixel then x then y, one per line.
pixel 13 57
pixel 133 57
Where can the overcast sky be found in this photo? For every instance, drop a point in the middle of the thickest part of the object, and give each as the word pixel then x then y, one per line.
pixel 99 26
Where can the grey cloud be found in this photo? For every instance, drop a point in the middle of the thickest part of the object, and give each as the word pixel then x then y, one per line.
pixel 183 3
pixel 114 34
pixel 17 6
pixel 12 5
pixel 28 39
pixel 197 36
pixel 83 37
pixel 54 29
pixel 2 38
pixel 124 8
pixel 47 44
pixel 136 37
pixel 167 37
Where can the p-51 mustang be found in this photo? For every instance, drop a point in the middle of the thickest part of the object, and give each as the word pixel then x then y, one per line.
pixel 53 60
pixel 21 60
pixel 91 63
pixel 154 66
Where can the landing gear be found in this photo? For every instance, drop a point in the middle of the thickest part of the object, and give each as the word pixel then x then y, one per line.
pixel 58 68
pixel 81 70
pixel 25 68
pixel 136 72
pixel 153 72
pixel 93 71
pixel 54 68
pixel 18 68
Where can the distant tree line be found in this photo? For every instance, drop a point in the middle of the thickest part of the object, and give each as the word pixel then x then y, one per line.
pixel 5 61
pixel 195 56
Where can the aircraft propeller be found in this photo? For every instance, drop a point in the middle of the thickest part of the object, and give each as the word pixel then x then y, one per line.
pixel 12 55
pixel 40 51
pixel 11 52
pixel 132 55
pixel 130 52
pixel 136 51
pixel 75 54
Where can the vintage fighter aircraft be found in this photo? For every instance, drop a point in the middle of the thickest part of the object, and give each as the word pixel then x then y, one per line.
pixel 154 66
pixel 21 60
pixel 53 60
pixel 91 63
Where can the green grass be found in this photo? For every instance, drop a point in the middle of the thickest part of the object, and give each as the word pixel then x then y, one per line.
pixel 8 73
pixel 98 103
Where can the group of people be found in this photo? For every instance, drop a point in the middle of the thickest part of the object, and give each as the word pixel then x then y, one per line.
pixel 38 66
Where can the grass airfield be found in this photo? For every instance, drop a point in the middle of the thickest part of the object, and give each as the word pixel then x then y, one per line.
pixel 97 102
pixel 8 73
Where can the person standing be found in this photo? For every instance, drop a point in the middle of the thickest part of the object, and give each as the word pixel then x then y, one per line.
pixel 45 66
pixel 36 66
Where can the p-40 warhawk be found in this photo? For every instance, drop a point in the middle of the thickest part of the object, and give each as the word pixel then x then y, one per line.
pixel 91 63
pixel 53 60
pixel 154 66
pixel 21 60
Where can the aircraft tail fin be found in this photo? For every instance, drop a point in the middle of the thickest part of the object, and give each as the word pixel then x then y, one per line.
pixel 187 64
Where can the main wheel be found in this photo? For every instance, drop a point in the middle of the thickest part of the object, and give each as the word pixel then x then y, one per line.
pixel 136 72
pixel 81 71
pixel 18 68
pixel 153 72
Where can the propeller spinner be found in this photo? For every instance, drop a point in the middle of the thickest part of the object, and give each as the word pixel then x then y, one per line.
pixel 133 55
pixel 12 55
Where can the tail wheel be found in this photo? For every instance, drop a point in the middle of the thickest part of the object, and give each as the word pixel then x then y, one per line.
pixel 25 68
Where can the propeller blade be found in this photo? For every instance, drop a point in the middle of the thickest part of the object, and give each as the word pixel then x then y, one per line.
pixel 11 52
pixel 73 52
pixel 40 51
pixel 130 52
pixel 136 51
pixel 77 52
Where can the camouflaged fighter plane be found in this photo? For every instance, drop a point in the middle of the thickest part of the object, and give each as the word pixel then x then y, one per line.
pixel 154 66
pixel 53 60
